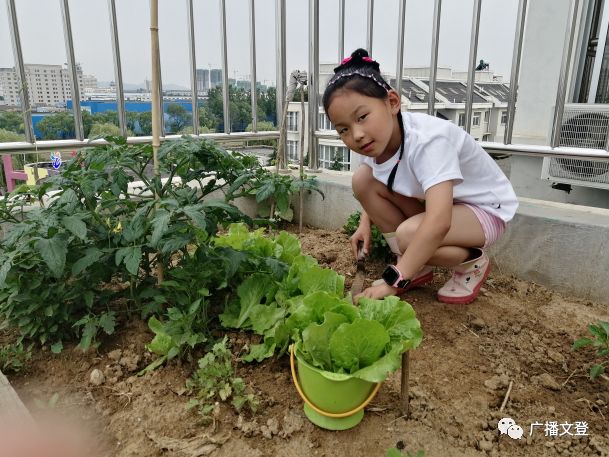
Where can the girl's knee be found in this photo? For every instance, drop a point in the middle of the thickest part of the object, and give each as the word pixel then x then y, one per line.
pixel 361 181
pixel 406 231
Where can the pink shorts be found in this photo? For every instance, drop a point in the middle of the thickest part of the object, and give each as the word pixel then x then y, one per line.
pixel 492 226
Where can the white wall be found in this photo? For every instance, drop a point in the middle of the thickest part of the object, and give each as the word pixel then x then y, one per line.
pixel 539 69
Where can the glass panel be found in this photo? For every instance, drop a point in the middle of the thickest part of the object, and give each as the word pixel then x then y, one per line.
pixel 265 66
pixel 46 72
pixel 238 49
pixel 93 52
pixel 209 65
pixel 495 47
pixel 133 20
pixel 175 67
pixel 11 119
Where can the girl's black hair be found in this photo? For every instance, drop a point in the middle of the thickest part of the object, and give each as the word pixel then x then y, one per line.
pixel 361 74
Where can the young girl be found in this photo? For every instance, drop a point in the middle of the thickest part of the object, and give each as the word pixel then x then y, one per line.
pixel 409 157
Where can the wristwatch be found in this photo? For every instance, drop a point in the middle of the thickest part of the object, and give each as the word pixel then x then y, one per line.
pixel 394 278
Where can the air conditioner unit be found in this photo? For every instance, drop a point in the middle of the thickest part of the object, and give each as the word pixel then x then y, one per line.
pixel 583 126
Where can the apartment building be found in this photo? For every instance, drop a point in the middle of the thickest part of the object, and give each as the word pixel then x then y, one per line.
pixel 489 110
pixel 48 85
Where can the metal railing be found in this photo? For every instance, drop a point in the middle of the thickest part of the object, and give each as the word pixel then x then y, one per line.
pixel 314 134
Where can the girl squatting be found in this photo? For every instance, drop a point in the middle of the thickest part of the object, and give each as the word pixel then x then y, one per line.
pixel 409 158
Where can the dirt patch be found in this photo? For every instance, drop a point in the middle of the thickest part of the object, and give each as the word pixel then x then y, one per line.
pixel 515 332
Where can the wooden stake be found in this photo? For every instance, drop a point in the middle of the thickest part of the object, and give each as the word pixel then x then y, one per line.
pixel 404 393
pixel 156 114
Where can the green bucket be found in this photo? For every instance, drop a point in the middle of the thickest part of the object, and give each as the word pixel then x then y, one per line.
pixel 332 401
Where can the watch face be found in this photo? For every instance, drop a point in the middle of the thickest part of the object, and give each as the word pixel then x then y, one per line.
pixel 391 275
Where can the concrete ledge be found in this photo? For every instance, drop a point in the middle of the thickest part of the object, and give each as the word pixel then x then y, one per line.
pixel 562 246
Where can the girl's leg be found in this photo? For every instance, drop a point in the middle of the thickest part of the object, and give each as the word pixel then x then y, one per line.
pixel 460 249
pixel 385 209
pixel 465 233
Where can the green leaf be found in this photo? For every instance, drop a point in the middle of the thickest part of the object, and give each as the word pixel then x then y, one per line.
pixel 57 347
pixel 396 316
pixel 88 296
pixel 265 191
pixel 160 225
pixel 316 339
pixel 219 204
pixel 53 251
pixel 75 225
pixel 291 247
pixel 283 202
pixel 251 292
pixel 197 216
pixel 380 369
pixel 6 267
pixel 324 279
pixel 596 371
pixel 237 183
pixel 155 325
pixel 91 256
pixel 133 258
pixel 107 322
pixel 88 333
pixel 598 332
pixel 135 229
pixel 582 342
pixel 357 345
pixel 264 317
pixel 393 452
pixel 161 344
pixel 605 326
pixel 259 352
pixel 153 366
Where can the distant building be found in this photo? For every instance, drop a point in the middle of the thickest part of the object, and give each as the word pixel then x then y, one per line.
pixel 208 79
pixel 48 85
pixel 489 110
pixel 89 83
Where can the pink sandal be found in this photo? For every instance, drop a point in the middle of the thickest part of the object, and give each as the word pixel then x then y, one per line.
pixel 467 279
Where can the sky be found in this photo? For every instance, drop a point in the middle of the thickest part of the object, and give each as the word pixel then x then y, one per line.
pixel 42 39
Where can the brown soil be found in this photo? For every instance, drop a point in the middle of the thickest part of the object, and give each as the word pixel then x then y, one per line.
pixel 515 332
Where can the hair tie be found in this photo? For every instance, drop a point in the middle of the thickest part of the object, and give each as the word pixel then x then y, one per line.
pixel 345 60
pixel 367 59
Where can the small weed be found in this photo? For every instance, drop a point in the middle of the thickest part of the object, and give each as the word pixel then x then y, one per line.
pixel 600 341
pixel 51 403
pixel 14 357
pixel 214 381
pixel 378 245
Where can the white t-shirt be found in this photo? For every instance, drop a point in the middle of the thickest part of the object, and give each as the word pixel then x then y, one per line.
pixel 436 150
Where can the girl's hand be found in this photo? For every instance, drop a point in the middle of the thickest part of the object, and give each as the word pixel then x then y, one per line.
pixel 363 234
pixel 376 292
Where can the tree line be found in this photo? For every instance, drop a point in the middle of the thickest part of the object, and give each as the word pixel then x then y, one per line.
pixel 179 119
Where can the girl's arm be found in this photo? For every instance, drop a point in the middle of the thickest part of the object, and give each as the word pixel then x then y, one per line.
pixel 432 231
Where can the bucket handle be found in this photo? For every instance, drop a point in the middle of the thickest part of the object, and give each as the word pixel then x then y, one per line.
pixel 321 411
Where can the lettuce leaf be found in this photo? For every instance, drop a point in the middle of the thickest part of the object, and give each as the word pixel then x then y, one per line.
pixel 318 278
pixel 397 316
pixel 258 289
pixel 357 345
pixel 316 339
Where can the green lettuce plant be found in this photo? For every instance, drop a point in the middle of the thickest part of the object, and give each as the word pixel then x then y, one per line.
pixel 308 305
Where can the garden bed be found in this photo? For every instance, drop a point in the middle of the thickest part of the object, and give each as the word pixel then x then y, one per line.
pixel 515 331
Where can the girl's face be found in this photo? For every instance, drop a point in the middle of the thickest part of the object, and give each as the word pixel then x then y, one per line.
pixel 365 124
